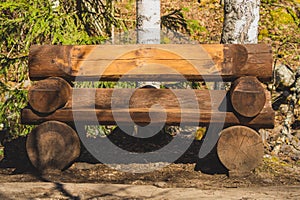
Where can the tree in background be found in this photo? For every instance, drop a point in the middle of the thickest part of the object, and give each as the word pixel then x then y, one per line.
pixel 148 21
pixel 148 27
pixel 241 19
pixel 240 25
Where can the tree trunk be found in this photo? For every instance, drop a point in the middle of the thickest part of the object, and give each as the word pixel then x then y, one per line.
pixel 148 27
pixel 240 24
pixel 240 21
pixel 148 21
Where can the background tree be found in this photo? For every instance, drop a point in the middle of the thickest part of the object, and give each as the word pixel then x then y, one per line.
pixel 241 19
pixel 240 25
pixel 148 27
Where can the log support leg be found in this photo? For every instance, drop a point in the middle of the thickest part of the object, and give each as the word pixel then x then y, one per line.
pixel 52 146
pixel 240 150
pixel 247 96
pixel 48 95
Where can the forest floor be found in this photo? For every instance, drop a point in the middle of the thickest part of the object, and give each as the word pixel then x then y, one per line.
pixel 176 181
pixel 274 178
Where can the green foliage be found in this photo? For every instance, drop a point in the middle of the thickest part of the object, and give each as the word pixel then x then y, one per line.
pixel 27 22
pixel 282 17
pixel 280 26
pixel 195 27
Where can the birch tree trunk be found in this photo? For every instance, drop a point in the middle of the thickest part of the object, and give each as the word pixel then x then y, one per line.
pixel 148 27
pixel 148 21
pixel 240 24
pixel 240 21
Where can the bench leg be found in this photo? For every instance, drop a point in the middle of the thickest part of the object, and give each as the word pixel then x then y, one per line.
pixel 240 149
pixel 52 145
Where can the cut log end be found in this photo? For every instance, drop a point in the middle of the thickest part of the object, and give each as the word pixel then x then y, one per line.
pixel 248 96
pixel 240 148
pixel 52 146
pixel 47 95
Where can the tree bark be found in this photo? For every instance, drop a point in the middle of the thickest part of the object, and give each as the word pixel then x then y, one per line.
pixel 240 21
pixel 148 21
pixel 240 24
pixel 148 27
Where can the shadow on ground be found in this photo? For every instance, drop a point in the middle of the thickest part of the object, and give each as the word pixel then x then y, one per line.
pixel 15 155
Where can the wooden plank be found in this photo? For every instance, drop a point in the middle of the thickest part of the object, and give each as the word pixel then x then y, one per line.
pixel 151 62
pixel 204 115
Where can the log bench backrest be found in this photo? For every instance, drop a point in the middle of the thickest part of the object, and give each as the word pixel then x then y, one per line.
pixel 151 62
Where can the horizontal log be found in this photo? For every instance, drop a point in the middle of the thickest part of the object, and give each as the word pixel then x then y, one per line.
pixel 247 96
pixel 205 115
pixel 107 98
pixel 141 116
pixel 47 95
pixel 151 62
pixel 144 98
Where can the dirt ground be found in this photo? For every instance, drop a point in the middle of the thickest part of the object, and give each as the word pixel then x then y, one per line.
pixel 86 179
pixel 271 180
pixel 33 190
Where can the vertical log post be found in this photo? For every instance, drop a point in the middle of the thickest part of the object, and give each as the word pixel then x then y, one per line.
pixel 240 149
pixel 247 96
pixel 47 95
pixel 52 145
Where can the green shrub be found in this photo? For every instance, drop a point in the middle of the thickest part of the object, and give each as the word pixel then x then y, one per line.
pixel 23 23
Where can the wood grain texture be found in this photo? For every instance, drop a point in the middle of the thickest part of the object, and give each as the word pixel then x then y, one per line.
pixel 211 106
pixel 145 98
pixel 47 95
pixel 141 116
pixel 240 148
pixel 151 62
pixel 52 145
pixel 248 96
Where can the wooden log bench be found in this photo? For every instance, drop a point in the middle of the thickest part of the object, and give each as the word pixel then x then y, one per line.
pixel 53 102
